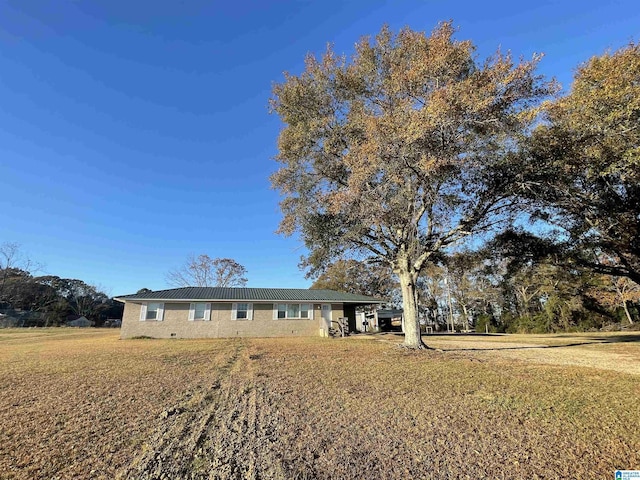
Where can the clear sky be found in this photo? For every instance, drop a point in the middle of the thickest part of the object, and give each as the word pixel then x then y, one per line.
pixel 133 133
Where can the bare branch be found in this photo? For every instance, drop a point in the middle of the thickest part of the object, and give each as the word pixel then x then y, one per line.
pixel 204 271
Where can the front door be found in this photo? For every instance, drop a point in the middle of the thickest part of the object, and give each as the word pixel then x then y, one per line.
pixel 326 315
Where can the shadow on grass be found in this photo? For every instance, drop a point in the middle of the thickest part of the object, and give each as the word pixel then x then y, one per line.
pixel 589 340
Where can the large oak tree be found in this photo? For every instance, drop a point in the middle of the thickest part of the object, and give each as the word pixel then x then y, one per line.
pixel 400 151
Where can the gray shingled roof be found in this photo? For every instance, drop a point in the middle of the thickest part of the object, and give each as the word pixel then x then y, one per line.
pixel 252 294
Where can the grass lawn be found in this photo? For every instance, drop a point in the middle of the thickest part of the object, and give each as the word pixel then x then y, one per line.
pixel 84 404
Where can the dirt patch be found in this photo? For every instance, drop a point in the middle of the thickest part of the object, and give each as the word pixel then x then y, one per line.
pixel 222 431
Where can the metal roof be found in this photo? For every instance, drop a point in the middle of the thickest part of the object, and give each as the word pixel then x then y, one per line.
pixel 251 294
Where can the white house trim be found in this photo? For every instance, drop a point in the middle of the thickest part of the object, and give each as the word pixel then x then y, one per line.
pixel 234 311
pixel 192 311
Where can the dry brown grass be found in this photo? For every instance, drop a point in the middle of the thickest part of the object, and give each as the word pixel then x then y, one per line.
pixel 83 404
pixel 610 351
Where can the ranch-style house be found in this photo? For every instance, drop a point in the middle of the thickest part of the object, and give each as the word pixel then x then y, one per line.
pixel 217 312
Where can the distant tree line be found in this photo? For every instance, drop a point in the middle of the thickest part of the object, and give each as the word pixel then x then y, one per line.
pixel 514 292
pixel 29 300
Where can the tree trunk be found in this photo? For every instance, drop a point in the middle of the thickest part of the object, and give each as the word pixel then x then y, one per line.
pixel 626 311
pixel 465 318
pixel 412 338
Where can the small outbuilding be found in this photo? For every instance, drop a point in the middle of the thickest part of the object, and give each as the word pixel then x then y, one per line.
pixel 79 321
pixel 113 323
pixel 389 320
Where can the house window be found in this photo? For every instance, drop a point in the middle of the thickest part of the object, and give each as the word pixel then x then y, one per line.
pixel 292 310
pixel 242 311
pixel 200 311
pixel 151 312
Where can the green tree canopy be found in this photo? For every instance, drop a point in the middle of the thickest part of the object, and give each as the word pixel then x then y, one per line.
pixel 583 166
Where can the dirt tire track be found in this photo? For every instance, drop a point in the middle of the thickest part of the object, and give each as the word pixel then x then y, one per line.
pixel 220 433
pixel 238 445
pixel 169 452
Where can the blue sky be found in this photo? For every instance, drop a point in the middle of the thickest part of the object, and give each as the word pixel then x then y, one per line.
pixel 133 134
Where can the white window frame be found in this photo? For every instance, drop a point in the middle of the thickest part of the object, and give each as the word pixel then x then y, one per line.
pixel 234 311
pixel 309 311
pixel 144 308
pixel 192 312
